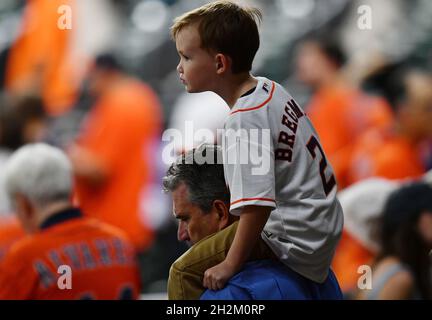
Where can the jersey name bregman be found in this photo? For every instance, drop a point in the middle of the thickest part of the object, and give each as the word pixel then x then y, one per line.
pixel 286 138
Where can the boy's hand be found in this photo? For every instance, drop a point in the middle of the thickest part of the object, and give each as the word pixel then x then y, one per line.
pixel 216 277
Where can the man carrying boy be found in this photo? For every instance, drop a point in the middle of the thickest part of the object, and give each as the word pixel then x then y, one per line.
pixel 292 205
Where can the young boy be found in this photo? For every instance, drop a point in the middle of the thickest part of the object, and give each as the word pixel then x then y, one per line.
pixel 293 206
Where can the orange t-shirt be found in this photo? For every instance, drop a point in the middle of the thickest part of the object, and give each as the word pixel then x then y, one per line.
pixel 121 132
pixel 340 114
pixel 349 256
pixel 40 57
pixel 10 232
pixel 381 153
pixel 101 259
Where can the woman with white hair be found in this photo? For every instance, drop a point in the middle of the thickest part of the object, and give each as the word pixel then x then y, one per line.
pixel 62 242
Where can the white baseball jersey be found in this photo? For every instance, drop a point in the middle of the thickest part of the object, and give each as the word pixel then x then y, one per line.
pixel 272 157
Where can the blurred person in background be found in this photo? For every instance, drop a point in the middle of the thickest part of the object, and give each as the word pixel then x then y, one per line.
pixel 22 120
pixel 339 111
pixel 40 60
pixel 396 152
pixel 402 269
pixel 100 258
pixel 114 157
pixel 362 204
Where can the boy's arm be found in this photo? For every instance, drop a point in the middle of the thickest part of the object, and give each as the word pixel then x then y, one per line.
pixel 252 221
pixel 251 183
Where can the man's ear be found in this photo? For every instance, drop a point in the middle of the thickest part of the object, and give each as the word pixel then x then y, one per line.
pixel 25 212
pixel 222 211
pixel 223 63
pixel 24 206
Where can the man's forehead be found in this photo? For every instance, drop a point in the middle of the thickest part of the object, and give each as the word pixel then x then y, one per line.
pixel 180 197
pixel 181 190
pixel 177 211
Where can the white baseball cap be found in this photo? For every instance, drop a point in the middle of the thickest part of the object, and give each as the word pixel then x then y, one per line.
pixel 362 204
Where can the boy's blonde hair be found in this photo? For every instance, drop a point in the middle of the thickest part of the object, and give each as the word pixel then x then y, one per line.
pixel 227 28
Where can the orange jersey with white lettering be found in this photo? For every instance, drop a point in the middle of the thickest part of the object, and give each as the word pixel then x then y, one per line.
pixel 101 261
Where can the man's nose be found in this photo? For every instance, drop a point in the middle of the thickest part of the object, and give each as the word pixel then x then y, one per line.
pixel 182 234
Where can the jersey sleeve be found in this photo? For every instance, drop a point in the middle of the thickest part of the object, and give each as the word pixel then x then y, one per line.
pixel 249 160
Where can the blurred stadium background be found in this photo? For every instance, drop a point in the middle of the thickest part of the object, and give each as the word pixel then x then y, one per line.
pixel 40 60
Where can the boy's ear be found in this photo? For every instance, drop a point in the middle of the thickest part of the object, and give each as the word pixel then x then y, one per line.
pixel 223 63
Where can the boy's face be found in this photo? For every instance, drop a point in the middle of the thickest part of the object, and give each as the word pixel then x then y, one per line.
pixel 197 66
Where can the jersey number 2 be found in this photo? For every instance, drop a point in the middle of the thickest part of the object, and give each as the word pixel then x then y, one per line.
pixel 331 182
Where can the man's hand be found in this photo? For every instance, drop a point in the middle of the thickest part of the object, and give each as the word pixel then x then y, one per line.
pixel 216 277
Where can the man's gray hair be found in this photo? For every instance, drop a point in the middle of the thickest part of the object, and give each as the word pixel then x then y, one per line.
pixel 204 179
pixel 40 172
